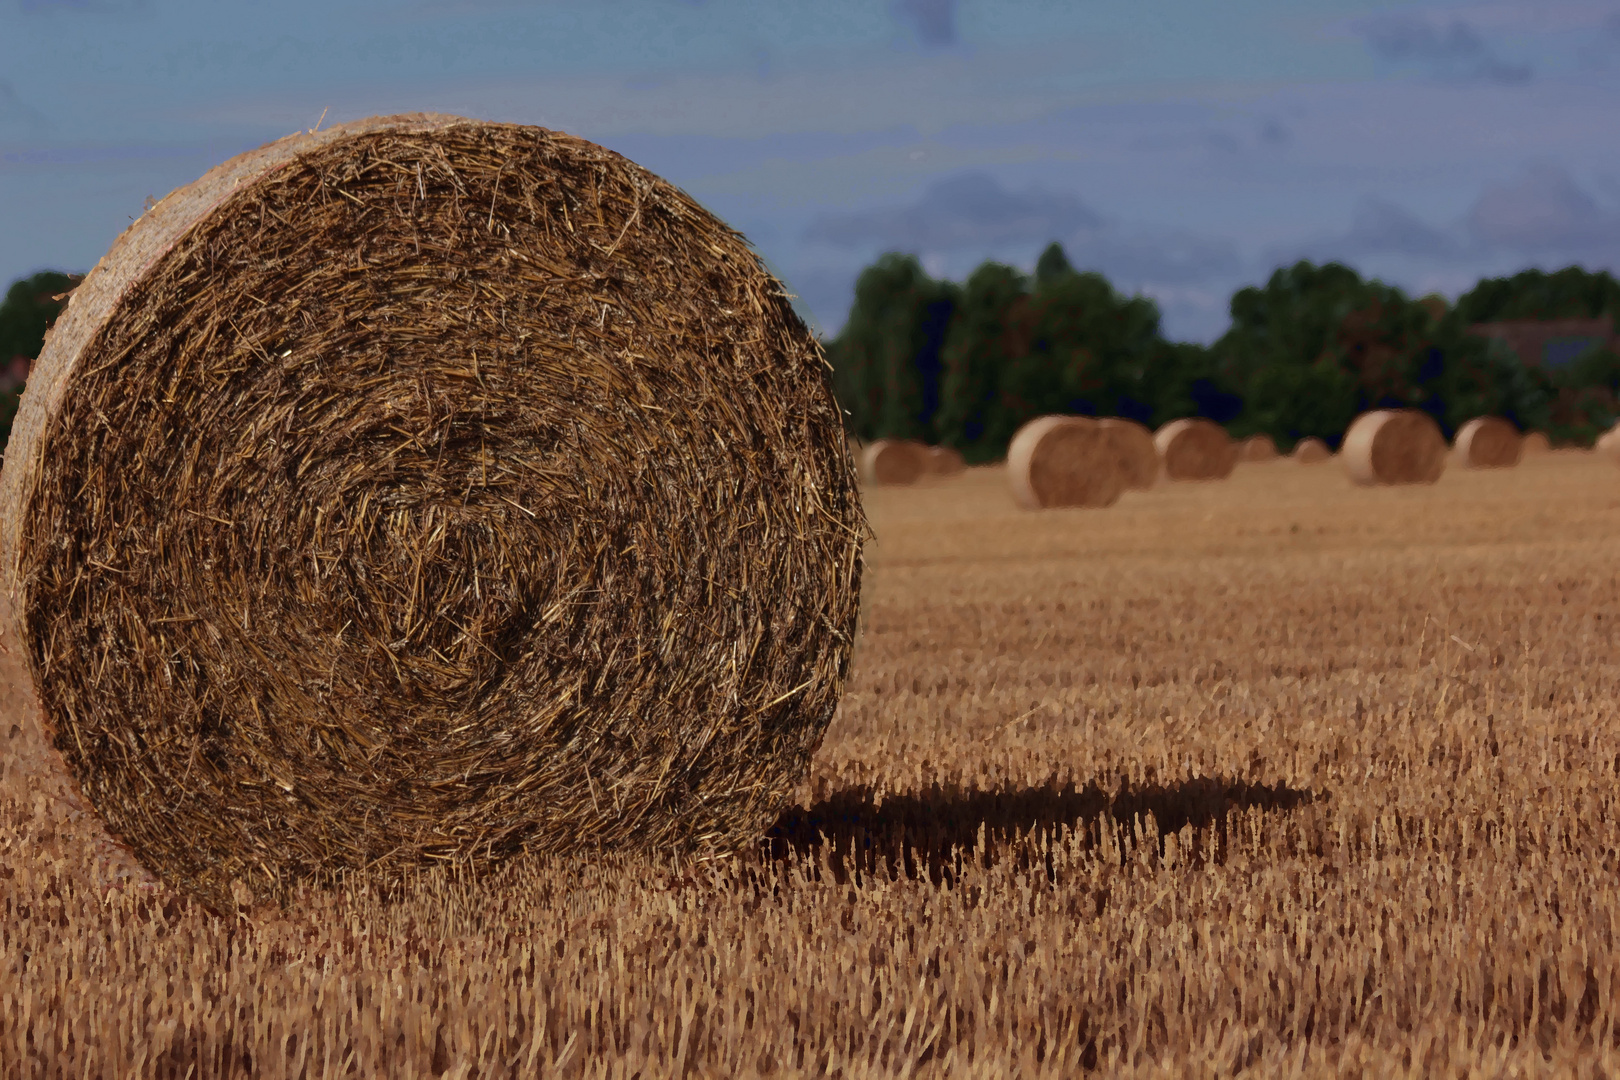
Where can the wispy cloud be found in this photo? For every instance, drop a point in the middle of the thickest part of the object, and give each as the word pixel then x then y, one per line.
pixel 1453 50
pixel 1543 210
pixel 970 210
pixel 932 21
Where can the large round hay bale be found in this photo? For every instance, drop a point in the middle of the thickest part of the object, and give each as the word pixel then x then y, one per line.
pixel 1488 442
pixel 1257 448
pixel 945 461
pixel 1138 457
pixel 1535 442
pixel 1064 461
pixel 1195 449
pixel 426 491
pixel 1394 446
pixel 894 461
pixel 1311 450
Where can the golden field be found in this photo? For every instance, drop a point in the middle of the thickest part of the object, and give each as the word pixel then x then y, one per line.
pixel 1273 776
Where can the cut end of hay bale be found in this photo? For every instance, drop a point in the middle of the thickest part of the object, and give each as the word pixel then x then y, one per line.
pixel 945 461
pixel 1394 446
pixel 1257 448
pixel 1310 451
pixel 1488 442
pixel 424 491
pixel 894 462
pixel 1133 445
pixel 1195 449
pixel 1064 461
pixel 1536 442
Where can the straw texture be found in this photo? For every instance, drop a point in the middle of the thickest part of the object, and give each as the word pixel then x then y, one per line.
pixel 1394 446
pixel 894 461
pixel 1195 449
pixel 426 491
pixel 1311 451
pixel 1064 461
pixel 1488 442
pixel 1138 457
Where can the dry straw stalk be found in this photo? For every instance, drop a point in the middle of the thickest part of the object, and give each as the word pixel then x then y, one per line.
pixel 1064 461
pixel 1195 449
pixel 1488 442
pixel 1394 446
pixel 1138 457
pixel 427 491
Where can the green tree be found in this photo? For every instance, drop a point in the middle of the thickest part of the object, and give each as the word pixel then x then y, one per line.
pixel 29 308
pixel 887 366
pixel 1052 265
pixel 976 356
pixel 1570 293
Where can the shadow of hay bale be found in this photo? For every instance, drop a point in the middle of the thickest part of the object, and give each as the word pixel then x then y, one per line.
pixel 931 833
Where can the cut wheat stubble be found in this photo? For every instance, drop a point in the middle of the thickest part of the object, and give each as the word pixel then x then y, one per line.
pixel 424 491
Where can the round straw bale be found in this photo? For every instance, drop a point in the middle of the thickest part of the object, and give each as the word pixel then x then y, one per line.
pixel 1138 457
pixel 1257 448
pixel 1310 450
pixel 1195 449
pixel 427 491
pixel 1488 442
pixel 1535 442
pixel 1058 461
pixel 1394 446
pixel 945 461
pixel 894 461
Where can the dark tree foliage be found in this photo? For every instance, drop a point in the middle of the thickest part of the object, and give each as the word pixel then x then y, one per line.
pixel 1306 352
pixel 1570 293
pixel 976 358
pixel 887 364
pixel 1052 265
pixel 26 313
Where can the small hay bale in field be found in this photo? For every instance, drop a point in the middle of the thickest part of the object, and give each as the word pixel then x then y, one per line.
pixel 1608 442
pixel 1536 442
pixel 894 462
pixel 1488 442
pixel 1138 457
pixel 1257 448
pixel 1394 446
pixel 1064 461
pixel 1310 451
pixel 945 461
pixel 1195 449
pixel 426 491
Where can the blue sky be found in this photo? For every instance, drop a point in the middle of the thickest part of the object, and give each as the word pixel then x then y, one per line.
pixel 1182 147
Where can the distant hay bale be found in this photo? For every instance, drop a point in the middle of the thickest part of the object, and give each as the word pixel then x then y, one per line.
pixel 1394 446
pixel 894 462
pixel 1195 449
pixel 419 492
pixel 1257 448
pixel 1488 442
pixel 1310 451
pixel 1138 457
pixel 1536 442
pixel 1608 442
pixel 1064 461
pixel 945 461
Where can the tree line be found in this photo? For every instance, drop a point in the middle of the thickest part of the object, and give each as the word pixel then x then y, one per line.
pixel 965 365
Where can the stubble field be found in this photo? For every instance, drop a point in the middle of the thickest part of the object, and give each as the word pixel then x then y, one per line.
pixel 1272 776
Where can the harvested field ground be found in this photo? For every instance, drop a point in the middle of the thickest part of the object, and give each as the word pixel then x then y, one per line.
pixel 1271 775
